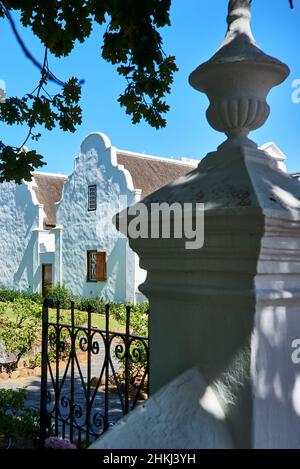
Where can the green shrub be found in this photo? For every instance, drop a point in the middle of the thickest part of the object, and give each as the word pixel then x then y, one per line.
pixel 118 311
pixel 8 295
pixel 16 418
pixel 20 316
pixel 12 295
pixel 20 326
pixel 35 297
pixel 139 319
pixel 96 304
pixel 62 294
pixel 19 331
pixel 138 316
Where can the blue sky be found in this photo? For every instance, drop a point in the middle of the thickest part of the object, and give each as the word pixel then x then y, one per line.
pixel 198 27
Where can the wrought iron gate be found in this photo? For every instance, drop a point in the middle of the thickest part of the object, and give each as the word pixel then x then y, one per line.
pixel 90 377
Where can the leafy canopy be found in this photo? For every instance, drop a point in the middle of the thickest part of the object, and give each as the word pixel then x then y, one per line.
pixel 131 41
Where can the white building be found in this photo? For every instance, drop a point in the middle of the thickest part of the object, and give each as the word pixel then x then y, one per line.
pixel 27 219
pixel 58 229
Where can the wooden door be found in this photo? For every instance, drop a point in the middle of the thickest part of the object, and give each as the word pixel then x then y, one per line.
pixel 46 278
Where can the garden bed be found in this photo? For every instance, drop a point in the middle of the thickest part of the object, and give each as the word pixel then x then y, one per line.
pixel 21 319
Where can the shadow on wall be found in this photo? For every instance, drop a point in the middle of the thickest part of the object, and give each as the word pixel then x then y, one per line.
pixel 26 267
pixel 185 413
pixel 277 378
pixel 18 238
pixel 29 210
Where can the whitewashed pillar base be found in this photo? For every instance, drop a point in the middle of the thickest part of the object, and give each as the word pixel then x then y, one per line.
pixel 232 308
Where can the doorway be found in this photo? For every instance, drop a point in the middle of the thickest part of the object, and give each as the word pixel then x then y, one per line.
pixel 46 278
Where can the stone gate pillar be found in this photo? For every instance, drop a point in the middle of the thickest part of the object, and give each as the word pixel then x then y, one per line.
pixel 232 308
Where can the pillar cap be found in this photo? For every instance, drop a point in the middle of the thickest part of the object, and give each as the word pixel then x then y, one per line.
pixel 238 78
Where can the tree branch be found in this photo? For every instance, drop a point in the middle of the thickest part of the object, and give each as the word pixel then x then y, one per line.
pixel 27 53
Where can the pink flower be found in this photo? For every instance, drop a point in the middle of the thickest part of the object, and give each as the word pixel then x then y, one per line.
pixel 54 442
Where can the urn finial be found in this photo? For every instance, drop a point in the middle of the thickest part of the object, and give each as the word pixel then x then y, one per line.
pixel 238 20
pixel 238 78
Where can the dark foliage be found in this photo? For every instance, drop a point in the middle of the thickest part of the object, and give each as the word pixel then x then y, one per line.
pixel 131 41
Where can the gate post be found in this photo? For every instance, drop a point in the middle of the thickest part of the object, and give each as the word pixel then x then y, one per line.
pixel 231 308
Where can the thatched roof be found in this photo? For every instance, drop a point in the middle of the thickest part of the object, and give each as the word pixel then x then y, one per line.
pixel 148 174
pixel 151 173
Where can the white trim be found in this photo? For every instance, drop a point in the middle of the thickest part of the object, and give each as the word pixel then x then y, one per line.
pixel 44 173
pixel 183 162
pixel 120 167
pixel 104 138
pixel 272 149
pixel 30 186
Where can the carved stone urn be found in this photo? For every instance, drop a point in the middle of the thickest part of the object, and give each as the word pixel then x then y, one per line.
pixel 238 78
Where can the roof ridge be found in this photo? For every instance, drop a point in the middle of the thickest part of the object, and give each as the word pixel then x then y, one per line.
pixel 158 158
pixel 44 173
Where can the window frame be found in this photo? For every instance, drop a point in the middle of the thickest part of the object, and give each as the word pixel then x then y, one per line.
pixel 88 256
pixel 100 271
pixel 94 207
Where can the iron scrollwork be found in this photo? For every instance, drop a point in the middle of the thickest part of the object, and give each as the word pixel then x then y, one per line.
pixel 95 384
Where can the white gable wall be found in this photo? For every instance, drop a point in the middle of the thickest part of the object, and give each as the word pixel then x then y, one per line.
pixel 83 231
pixel 18 243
